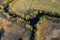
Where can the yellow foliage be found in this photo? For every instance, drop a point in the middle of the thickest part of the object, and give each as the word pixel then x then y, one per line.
pixel 19 20
pixel 28 27
pixel 35 12
pixel 22 15
pixel 38 32
pixel 11 8
pixel 43 19
pixel 27 16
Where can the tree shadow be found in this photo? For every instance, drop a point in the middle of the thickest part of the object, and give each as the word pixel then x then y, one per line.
pixel 1 33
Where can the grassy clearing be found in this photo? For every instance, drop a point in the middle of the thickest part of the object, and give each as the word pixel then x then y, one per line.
pixel 48 5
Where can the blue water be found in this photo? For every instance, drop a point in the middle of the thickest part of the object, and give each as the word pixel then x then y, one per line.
pixel 33 22
pixel 6 8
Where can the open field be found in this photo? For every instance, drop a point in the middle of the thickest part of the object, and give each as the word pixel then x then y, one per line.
pixel 48 5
